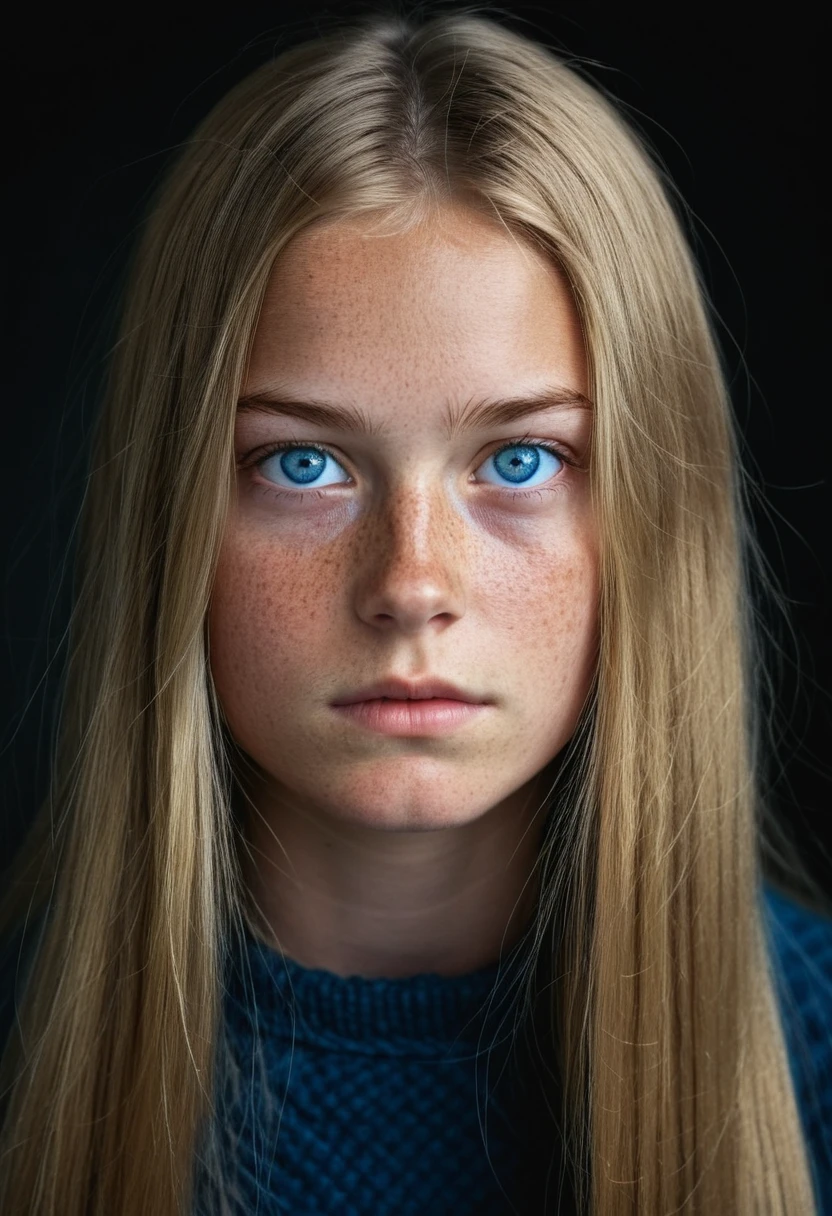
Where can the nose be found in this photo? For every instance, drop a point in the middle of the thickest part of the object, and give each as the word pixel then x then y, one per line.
pixel 411 562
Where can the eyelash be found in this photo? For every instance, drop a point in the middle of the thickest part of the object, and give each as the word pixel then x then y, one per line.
pixel 286 445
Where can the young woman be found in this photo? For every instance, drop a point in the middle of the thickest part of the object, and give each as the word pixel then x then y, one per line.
pixel 405 850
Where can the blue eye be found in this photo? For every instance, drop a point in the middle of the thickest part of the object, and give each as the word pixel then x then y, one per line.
pixel 519 463
pixel 302 465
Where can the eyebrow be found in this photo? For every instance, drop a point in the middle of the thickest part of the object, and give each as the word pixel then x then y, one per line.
pixel 474 413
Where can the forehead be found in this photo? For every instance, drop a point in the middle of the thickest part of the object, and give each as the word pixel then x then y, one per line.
pixel 454 306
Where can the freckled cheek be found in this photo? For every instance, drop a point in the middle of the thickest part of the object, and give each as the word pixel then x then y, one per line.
pixel 268 611
pixel 555 640
pixel 549 593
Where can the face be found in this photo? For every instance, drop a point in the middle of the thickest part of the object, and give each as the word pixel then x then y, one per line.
pixel 423 539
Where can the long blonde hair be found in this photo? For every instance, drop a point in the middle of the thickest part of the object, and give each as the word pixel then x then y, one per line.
pixel 677 1093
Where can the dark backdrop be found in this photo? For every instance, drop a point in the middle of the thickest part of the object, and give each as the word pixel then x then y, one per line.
pixel 99 101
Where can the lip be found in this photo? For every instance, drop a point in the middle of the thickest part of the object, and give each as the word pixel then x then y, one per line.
pixel 395 689
pixel 420 717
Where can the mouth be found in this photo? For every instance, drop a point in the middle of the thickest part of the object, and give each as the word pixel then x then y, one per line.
pixel 395 689
pixel 415 716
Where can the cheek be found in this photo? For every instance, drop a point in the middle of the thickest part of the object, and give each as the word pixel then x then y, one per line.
pixel 554 642
pixel 567 603
pixel 546 597
pixel 267 612
pixel 564 656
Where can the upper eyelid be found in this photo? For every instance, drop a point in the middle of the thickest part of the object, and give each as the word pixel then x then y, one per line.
pixel 262 451
pixel 573 463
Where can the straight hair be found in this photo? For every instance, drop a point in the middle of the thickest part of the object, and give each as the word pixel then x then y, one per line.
pixel 650 964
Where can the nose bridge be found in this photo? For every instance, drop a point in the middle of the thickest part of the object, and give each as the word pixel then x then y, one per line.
pixel 419 524
pixel 411 566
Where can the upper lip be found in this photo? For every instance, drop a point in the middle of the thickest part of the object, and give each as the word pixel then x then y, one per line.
pixel 410 690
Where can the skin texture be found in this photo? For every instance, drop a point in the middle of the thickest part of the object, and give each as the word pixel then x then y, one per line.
pixel 389 856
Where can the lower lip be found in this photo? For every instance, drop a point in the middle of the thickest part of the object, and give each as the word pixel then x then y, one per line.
pixel 433 716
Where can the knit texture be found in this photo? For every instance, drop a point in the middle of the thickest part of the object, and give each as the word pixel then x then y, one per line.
pixel 383 1091
pixel 406 1095
pixel 802 956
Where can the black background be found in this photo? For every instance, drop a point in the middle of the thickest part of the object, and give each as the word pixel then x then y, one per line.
pixel 97 106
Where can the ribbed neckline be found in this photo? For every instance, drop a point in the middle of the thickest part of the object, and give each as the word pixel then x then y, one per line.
pixel 279 997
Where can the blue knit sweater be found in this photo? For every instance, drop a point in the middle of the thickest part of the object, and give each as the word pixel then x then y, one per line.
pixel 384 1089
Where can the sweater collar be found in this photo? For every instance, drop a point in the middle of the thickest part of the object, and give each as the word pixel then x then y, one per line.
pixel 279 997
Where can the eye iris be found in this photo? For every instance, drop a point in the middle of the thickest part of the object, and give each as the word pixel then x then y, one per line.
pixel 302 464
pixel 517 468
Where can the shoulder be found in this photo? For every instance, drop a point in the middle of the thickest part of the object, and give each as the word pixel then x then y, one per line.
pixel 801 941
pixel 802 947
